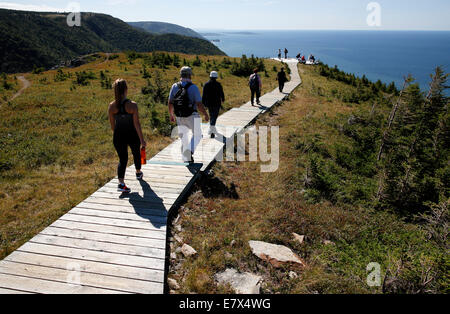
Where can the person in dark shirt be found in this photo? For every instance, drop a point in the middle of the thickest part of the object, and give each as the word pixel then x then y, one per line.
pixel 213 97
pixel 281 77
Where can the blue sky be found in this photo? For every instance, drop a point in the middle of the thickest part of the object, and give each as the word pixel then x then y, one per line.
pixel 264 14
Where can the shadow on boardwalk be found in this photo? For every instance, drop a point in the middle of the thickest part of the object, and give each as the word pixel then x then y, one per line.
pixel 149 206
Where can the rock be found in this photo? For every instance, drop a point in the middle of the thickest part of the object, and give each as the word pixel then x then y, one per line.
pixel 328 242
pixel 188 250
pixel 245 283
pixel 277 255
pixel 173 255
pixel 299 238
pixel 233 243
pixel 293 275
pixel 178 239
pixel 178 228
pixel 173 284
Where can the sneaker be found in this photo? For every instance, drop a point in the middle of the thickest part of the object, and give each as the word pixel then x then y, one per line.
pixel 140 175
pixel 123 188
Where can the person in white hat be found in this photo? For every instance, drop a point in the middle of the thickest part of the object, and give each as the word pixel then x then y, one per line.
pixel 213 97
pixel 184 101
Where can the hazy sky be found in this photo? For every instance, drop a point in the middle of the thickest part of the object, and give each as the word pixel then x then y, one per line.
pixel 264 14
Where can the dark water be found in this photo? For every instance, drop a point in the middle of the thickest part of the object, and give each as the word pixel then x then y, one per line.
pixel 384 55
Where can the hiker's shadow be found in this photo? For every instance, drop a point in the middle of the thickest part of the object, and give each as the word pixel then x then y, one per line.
pixel 263 107
pixel 213 187
pixel 148 206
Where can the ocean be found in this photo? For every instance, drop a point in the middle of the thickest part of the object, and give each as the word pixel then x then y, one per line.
pixel 380 55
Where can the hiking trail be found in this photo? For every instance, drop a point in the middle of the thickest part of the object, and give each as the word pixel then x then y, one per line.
pixel 26 83
pixel 112 243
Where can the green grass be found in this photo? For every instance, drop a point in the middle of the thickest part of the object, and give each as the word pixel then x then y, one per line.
pixel 56 141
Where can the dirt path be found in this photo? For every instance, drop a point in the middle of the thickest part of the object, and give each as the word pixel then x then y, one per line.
pixel 107 58
pixel 26 83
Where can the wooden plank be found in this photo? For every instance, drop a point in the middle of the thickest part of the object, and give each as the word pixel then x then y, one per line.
pixel 4 291
pixel 135 185
pixel 119 271
pixel 93 256
pixel 125 209
pixel 114 230
pixel 117 215
pixel 85 279
pixel 116 222
pixel 138 201
pixel 144 194
pixel 125 249
pixel 105 237
pixel 153 172
pixel 119 202
pixel 47 286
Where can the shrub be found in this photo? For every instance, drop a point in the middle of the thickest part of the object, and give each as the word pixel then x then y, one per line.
pixel 82 78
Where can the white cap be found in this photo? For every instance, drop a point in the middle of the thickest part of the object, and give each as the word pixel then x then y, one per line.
pixel 214 74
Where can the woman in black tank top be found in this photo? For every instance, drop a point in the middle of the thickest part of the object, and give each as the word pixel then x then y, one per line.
pixel 124 119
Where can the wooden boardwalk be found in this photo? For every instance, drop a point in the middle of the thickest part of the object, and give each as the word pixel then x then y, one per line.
pixel 111 244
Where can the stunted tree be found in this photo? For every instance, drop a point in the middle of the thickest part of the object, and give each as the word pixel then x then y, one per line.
pixel 413 151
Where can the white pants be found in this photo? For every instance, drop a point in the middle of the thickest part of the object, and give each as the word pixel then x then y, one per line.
pixel 190 133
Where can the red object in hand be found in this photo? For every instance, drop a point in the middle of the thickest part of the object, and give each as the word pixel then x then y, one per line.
pixel 143 156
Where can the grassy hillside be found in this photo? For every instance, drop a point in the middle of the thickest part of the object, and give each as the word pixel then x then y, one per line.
pixel 326 189
pixel 55 139
pixel 29 39
pixel 166 28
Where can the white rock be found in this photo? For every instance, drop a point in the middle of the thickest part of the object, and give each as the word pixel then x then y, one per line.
pixel 293 275
pixel 173 255
pixel 233 243
pixel 178 238
pixel 173 284
pixel 277 255
pixel 245 283
pixel 188 250
pixel 299 238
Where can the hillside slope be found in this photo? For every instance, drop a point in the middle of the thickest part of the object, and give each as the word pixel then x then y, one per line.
pixel 166 28
pixel 29 39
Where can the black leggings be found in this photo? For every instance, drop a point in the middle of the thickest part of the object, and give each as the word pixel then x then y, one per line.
pixel 256 92
pixel 121 145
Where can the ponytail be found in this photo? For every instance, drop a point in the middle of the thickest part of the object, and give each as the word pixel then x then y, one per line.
pixel 120 87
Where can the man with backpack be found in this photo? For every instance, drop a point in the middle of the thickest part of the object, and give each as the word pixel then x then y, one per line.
pixel 255 84
pixel 213 97
pixel 281 77
pixel 184 101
